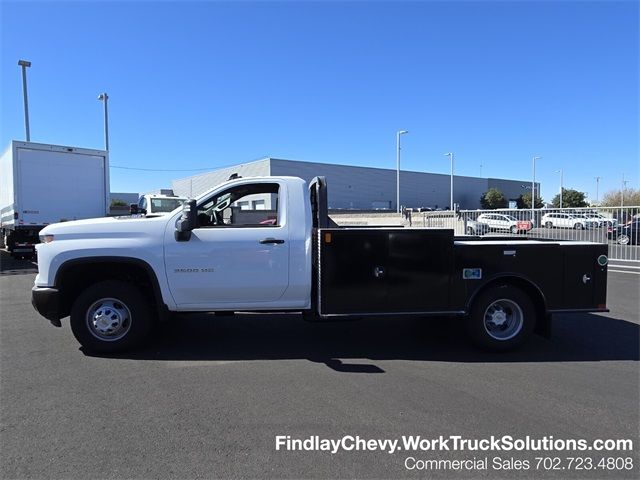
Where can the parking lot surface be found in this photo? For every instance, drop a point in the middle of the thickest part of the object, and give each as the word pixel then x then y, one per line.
pixel 207 397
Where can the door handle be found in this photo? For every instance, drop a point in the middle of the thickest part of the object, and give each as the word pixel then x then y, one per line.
pixel 271 240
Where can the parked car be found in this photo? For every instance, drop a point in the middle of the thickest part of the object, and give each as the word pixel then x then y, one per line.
pixel 567 220
pixel 625 234
pixel 590 222
pixel 602 220
pixel 502 222
pixel 475 227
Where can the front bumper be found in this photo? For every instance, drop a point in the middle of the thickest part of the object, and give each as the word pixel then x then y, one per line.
pixel 46 301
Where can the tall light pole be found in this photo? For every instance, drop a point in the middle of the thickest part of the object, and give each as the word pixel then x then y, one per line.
pixel 597 188
pixel 24 64
pixel 450 155
pixel 480 170
pixel 561 185
pixel 533 191
pixel 624 185
pixel 400 132
pixel 103 97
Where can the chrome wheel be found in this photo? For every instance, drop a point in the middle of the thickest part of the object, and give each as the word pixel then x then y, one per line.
pixel 503 319
pixel 623 239
pixel 108 319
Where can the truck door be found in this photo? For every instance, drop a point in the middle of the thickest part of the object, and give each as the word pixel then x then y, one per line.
pixel 238 256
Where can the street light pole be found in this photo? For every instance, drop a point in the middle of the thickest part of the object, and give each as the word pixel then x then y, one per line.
pixel 597 188
pixel 24 64
pixel 104 98
pixel 533 191
pixel 450 155
pixel 561 186
pixel 400 132
pixel 624 185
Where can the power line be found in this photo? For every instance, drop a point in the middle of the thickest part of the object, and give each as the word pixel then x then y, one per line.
pixel 163 169
pixel 187 169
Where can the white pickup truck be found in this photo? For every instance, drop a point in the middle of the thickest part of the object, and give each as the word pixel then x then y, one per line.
pixel 267 244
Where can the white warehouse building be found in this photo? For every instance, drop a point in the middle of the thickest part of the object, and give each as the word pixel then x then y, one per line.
pixel 363 188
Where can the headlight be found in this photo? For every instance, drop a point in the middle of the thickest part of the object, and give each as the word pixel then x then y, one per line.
pixel 46 238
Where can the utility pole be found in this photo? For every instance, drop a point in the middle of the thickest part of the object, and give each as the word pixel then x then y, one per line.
pixel 24 64
pixel 561 186
pixel 624 186
pixel 400 132
pixel 104 98
pixel 533 191
pixel 597 188
pixel 450 155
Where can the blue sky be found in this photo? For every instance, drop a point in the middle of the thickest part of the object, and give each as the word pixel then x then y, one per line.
pixel 209 84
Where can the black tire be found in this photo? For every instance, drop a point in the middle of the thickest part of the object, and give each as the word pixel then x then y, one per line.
pixel 510 299
pixel 578 226
pixel 9 241
pixel 514 229
pixel 123 301
pixel 470 231
pixel 548 225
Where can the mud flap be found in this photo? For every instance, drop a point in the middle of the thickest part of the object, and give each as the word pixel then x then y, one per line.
pixel 543 326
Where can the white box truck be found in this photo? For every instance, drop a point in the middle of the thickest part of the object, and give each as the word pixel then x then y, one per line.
pixel 42 184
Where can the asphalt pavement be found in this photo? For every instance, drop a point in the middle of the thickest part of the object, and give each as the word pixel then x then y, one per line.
pixel 208 396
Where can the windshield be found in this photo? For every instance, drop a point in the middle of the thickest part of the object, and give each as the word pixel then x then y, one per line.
pixel 162 205
pixel 513 219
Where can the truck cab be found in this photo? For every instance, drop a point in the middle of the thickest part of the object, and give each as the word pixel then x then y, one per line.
pixel 159 204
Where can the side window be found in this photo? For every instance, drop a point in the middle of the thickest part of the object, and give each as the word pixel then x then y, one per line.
pixel 250 205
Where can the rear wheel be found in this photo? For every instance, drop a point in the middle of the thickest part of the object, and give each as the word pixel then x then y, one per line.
pixel 548 225
pixel 470 231
pixel 110 316
pixel 623 239
pixel 578 226
pixel 501 318
pixel 9 241
pixel 514 229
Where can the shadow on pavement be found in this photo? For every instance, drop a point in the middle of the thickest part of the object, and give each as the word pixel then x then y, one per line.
pixel 14 266
pixel 576 338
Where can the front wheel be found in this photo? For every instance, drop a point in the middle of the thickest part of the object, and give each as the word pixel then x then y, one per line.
pixel 578 226
pixel 110 316
pixel 548 224
pixel 470 231
pixel 501 318
pixel 514 229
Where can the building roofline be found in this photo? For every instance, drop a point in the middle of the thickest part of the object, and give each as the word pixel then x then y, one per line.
pixel 347 166
pixel 393 170
pixel 223 167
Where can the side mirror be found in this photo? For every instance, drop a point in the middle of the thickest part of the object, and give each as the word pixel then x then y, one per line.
pixel 134 209
pixel 187 221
